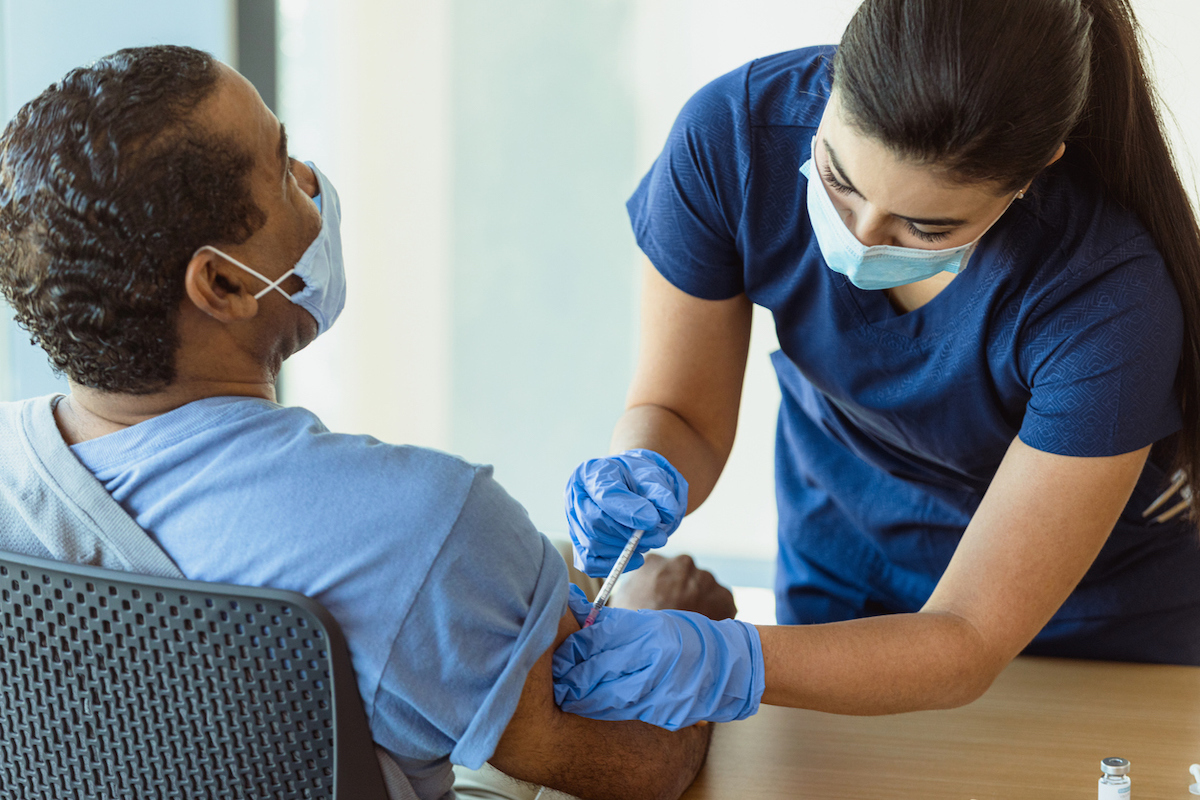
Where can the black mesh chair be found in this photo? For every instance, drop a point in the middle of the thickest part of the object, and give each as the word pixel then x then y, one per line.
pixel 123 686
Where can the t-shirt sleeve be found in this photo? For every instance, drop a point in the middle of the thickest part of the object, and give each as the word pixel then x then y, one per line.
pixel 687 209
pixel 489 607
pixel 1101 360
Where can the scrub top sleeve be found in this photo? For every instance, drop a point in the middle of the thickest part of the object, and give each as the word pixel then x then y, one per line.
pixel 1101 362
pixel 488 609
pixel 687 209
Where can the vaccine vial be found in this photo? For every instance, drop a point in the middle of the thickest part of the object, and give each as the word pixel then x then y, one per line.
pixel 1114 783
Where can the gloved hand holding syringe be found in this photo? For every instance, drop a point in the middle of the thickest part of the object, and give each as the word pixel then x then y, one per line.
pixel 676 668
pixel 610 500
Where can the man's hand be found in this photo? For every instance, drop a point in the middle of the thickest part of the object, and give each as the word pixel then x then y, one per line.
pixel 674 583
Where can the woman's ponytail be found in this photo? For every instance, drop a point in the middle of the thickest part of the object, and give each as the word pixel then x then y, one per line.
pixel 989 90
pixel 1120 140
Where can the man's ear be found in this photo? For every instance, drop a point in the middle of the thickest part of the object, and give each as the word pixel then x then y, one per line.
pixel 219 288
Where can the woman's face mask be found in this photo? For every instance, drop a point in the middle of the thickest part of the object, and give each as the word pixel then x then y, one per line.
pixel 321 267
pixel 866 205
pixel 877 266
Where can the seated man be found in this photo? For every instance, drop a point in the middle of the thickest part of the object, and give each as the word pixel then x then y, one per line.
pixel 159 243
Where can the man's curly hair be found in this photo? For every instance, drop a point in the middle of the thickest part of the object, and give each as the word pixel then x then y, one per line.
pixel 108 185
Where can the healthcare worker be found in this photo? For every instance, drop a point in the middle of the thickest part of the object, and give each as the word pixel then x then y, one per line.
pixel 985 277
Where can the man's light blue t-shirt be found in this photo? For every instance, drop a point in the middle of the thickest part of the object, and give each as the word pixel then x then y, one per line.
pixel 446 593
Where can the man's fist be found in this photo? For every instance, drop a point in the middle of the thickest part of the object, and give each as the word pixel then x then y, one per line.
pixel 674 583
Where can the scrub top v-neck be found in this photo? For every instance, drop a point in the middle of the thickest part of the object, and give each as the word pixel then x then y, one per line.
pixel 1064 329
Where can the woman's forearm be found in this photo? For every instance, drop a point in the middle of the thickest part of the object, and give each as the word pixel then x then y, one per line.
pixel 659 429
pixel 878 665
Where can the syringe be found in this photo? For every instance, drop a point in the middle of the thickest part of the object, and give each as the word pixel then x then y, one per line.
pixel 613 574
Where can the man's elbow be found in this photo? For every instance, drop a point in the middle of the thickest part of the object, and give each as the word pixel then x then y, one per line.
pixel 669 775
pixel 651 764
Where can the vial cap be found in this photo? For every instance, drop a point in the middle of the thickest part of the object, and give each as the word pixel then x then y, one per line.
pixel 1115 766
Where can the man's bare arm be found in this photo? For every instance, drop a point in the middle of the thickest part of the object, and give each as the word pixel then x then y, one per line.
pixel 590 759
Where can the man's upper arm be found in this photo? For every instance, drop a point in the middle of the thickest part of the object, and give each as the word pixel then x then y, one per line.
pixel 589 758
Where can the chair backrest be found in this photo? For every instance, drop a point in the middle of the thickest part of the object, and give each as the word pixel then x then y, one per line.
pixel 117 685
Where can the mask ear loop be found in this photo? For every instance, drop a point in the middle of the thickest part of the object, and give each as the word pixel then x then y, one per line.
pixel 270 284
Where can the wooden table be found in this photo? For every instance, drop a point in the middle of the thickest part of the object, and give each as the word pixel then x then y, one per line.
pixel 1039 732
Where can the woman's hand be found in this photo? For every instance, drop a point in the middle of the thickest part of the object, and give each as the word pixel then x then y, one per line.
pixel 672 669
pixel 609 498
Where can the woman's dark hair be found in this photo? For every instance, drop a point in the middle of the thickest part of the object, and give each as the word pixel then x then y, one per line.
pixel 988 89
pixel 107 186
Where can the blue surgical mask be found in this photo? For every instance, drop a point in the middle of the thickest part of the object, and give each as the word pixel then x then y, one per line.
pixel 321 267
pixel 878 266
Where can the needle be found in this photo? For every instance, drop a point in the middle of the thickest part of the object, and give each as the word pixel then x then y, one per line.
pixel 613 574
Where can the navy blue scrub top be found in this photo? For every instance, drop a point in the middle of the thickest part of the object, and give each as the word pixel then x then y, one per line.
pixel 1065 330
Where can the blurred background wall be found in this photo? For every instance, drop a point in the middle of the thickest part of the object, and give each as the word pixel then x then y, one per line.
pixel 483 151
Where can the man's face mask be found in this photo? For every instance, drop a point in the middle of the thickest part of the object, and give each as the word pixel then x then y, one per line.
pixel 321 267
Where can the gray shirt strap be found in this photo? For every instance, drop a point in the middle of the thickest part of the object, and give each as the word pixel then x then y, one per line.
pixel 105 535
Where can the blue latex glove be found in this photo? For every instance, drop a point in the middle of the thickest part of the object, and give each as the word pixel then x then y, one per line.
pixel 609 498
pixel 669 668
